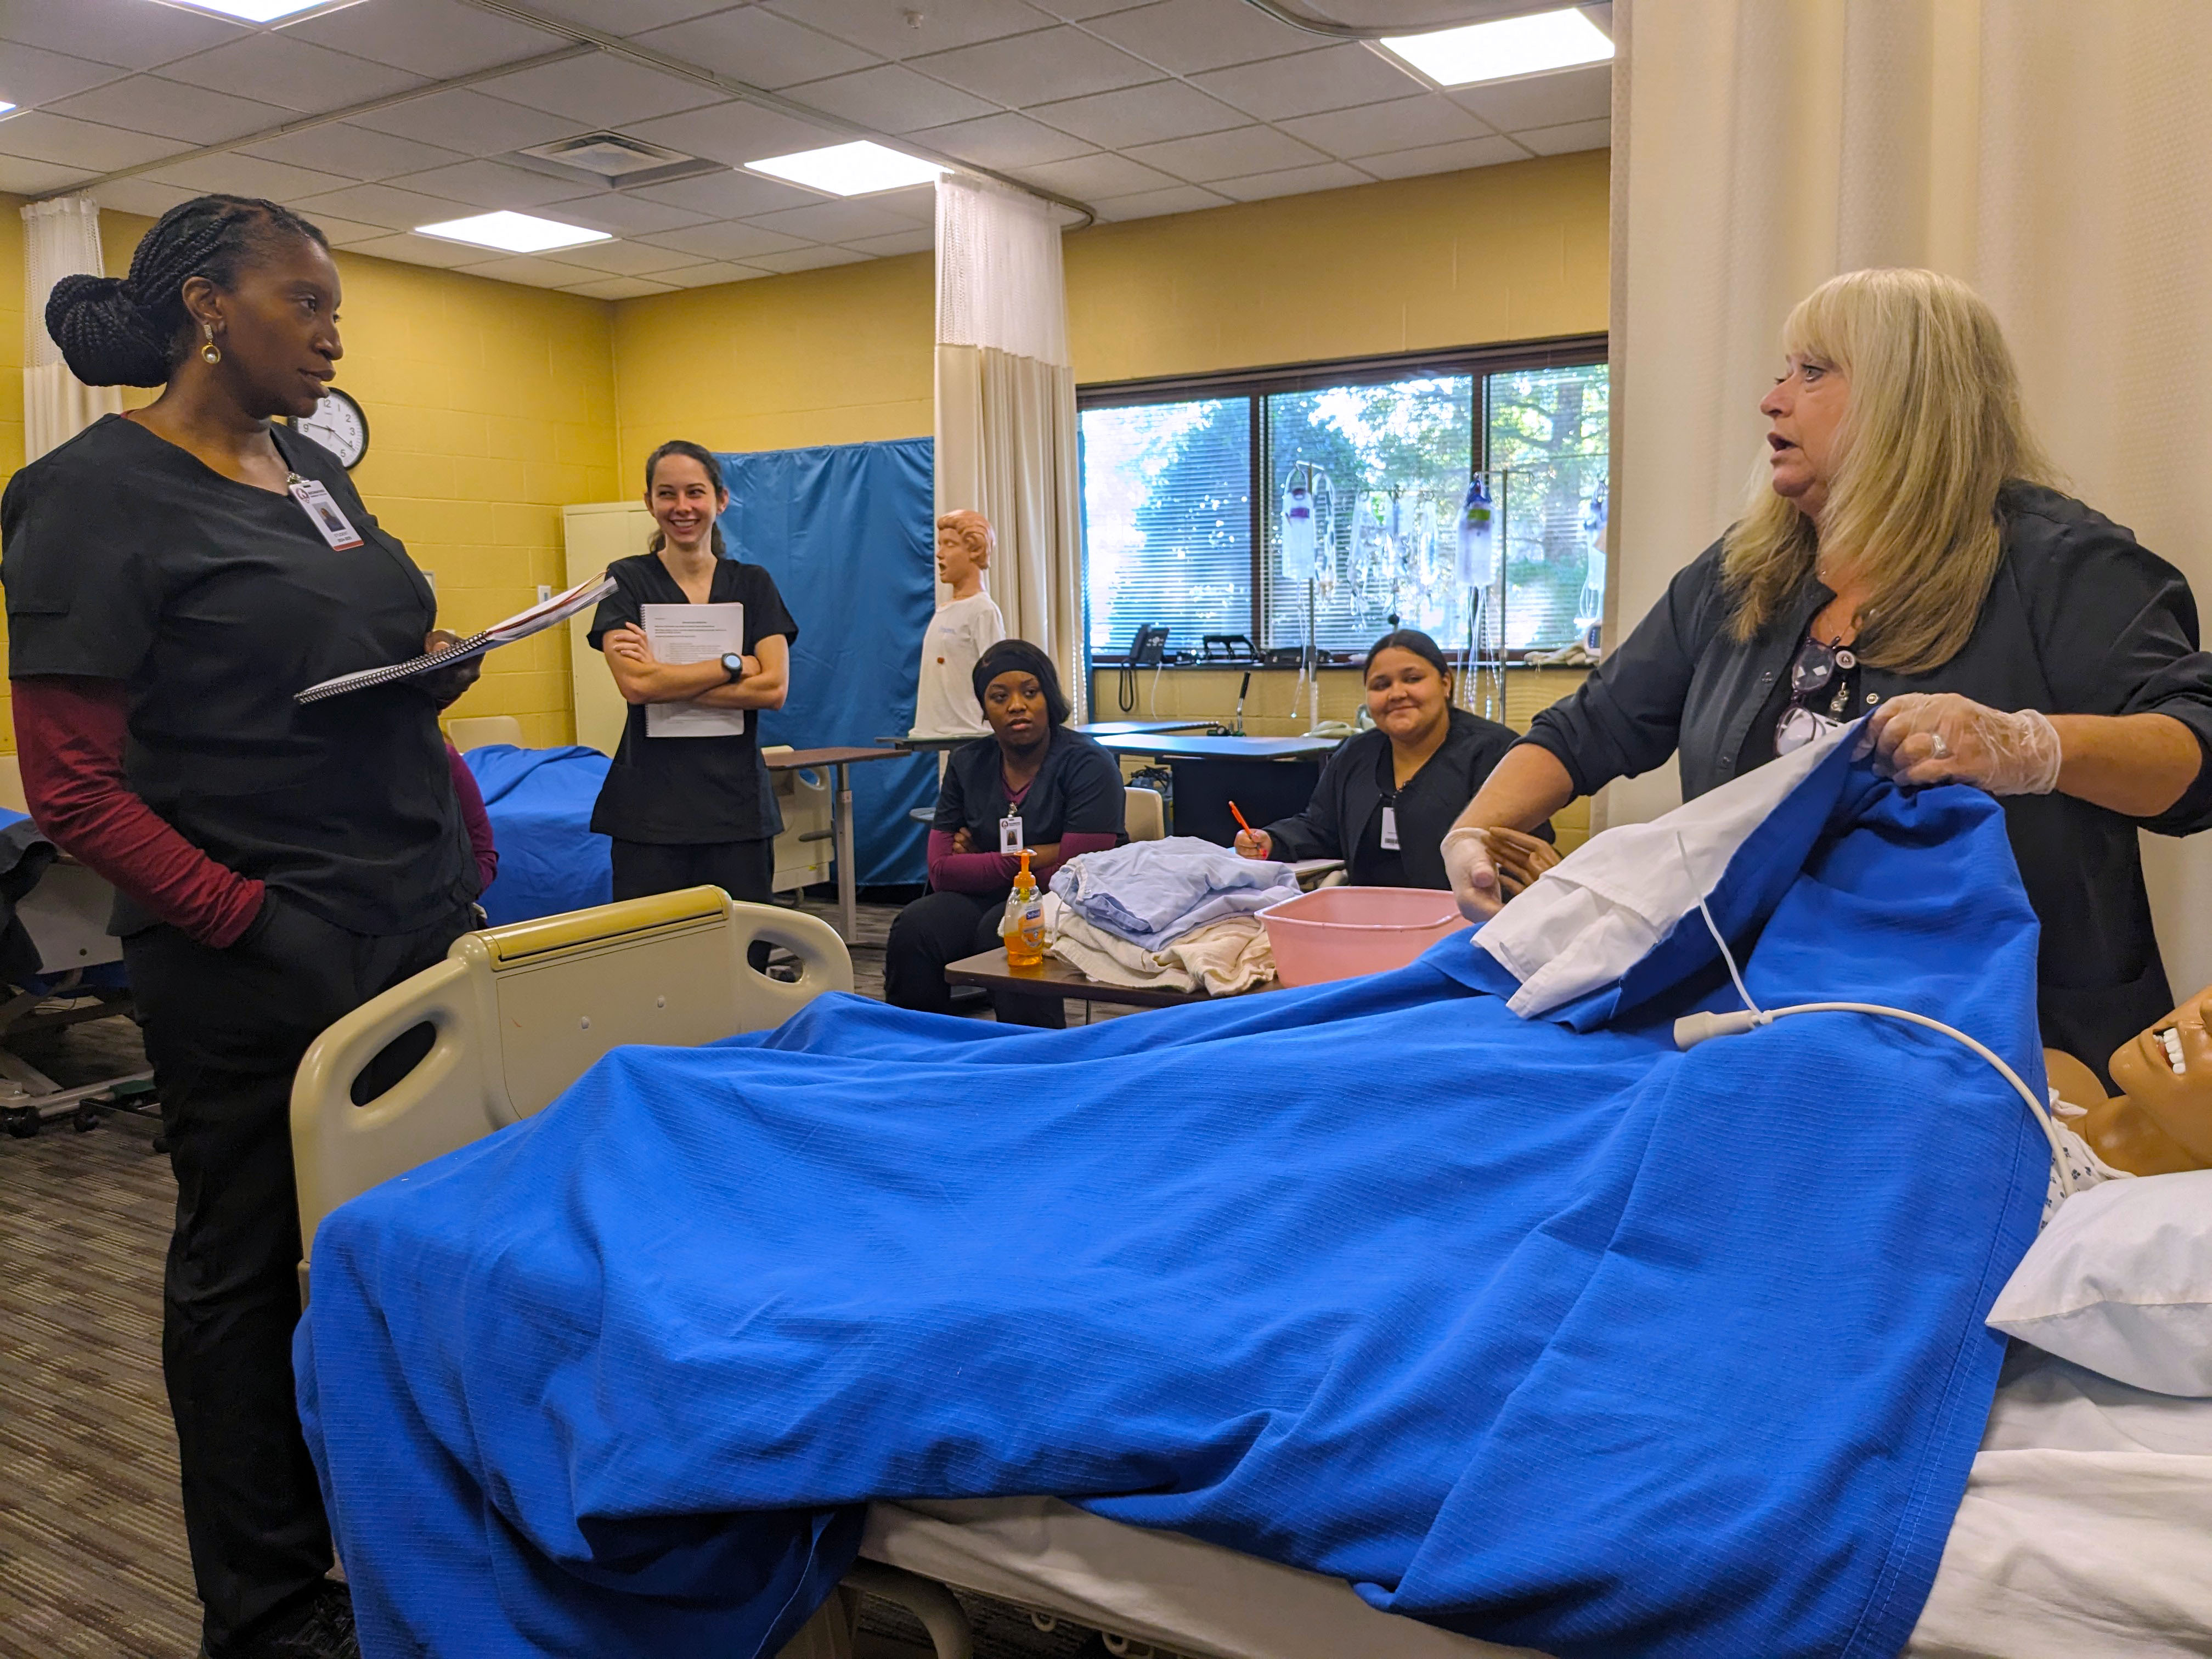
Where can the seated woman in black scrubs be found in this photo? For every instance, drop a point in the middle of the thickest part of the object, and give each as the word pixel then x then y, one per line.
pixel 174 575
pixel 1062 794
pixel 687 811
pixel 1387 796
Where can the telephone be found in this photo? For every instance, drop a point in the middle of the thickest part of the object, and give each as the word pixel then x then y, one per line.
pixel 1148 650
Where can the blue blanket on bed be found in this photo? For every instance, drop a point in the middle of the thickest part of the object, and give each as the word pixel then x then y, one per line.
pixel 1558 1337
pixel 539 802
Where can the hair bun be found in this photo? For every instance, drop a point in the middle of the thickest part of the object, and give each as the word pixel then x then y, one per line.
pixel 104 335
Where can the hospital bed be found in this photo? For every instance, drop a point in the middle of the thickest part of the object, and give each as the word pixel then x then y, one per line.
pixel 2054 1535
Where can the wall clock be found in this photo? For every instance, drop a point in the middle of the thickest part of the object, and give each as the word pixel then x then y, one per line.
pixel 339 426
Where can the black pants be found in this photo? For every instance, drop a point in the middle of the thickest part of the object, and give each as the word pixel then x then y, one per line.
pixel 939 928
pixel 225 1030
pixel 743 869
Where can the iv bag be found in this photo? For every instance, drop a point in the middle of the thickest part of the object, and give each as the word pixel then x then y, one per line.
pixel 1590 608
pixel 1297 532
pixel 1477 565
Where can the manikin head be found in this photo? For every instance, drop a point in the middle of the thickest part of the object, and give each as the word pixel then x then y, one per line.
pixel 965 542
pixel 2162 1121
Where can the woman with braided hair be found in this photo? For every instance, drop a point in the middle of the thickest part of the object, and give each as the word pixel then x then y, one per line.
pixel 173 576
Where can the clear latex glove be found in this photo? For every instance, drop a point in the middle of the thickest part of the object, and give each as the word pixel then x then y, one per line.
pixel 1925 737
pixel 1474 873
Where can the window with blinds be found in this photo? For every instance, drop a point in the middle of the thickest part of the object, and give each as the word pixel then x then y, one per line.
pixel 1186 488
pixel 1167 519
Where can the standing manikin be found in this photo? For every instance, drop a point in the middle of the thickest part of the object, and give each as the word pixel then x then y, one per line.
pixel 964 627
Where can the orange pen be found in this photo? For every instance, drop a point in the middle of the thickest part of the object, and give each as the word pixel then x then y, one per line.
pixel 1239 816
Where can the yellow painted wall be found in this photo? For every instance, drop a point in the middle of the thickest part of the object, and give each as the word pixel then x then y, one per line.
pixel 489 405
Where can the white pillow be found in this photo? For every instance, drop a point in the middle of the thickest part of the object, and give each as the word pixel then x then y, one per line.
pixel 2121 1283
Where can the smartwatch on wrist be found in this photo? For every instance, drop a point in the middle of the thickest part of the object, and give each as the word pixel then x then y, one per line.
pixel 733 665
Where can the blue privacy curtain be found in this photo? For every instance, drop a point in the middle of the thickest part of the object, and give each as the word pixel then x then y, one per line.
pixel 847 532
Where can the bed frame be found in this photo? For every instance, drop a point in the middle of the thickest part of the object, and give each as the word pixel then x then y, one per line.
pixel 521 1011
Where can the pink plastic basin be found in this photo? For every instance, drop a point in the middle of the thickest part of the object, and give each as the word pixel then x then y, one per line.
pixel 1341 933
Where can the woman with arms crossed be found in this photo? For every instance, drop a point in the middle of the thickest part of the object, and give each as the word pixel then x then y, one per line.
pixel 691 811
pixel 174 575
pixel 1909 562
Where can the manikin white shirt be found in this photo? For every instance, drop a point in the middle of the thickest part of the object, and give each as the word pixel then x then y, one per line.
pixel 945 698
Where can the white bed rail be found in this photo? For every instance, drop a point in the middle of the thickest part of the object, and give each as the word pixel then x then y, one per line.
pixel 518 1013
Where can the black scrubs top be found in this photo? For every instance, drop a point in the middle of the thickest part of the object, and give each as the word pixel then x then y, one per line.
pixel 1077 789
pixel 689 791
pixel 2080 620
pixel 127 558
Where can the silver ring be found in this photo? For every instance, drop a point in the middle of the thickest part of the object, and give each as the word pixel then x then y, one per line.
pixel 1938 748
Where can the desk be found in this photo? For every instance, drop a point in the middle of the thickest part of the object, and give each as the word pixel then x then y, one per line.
pixel 929 744
pixel 1104 729
pixel 848 884
pixel 988 968
pixel 1268 778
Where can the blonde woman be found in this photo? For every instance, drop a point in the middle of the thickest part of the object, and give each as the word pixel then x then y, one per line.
pixel 1908 559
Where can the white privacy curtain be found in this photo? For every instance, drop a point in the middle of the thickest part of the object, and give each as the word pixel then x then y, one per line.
pixel 2053 152
pixel 1005 409
pixel 61 239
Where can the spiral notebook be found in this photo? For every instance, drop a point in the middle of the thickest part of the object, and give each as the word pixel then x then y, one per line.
pixel 549 613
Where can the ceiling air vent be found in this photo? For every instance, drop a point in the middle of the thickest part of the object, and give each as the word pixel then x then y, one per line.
pixel 612 159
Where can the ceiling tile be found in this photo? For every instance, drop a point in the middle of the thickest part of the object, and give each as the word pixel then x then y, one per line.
pixel 1185 36
pixel 1150 203
pixel 909 241
pixel 1575 135
pixel 731 195
pixel 297 74
pixel 626 17
pixel 141 196
pixel 23 177
pixel 384 204
pixel 248 176
pixel 624 212
pixel 129 33
pixel 1139 115
pixel 1002 141
pixel 1444 158
pixel 619 287
pixel 39 136
pixel 1429 119
pixel 755 45
pixel 344 232
pixel 1076 10
pixel 1292 181
pixel 627 259
pixel 29 77
pixel 811 258
pixel 1040 68
pixel 1335 78
pixel 436 37
pixel 420 250
pixel 1228 154
pixel 488 184
pixel 735 133
pixel 469 122
pixel 1089 177
pixel 601 90
pixel 903 28
pixel 711 274
pixel 890 99
pixel 834 222
pixel 353 152
pixel 1543 100
pixel 726 241
pixel 147 103
pixel 524 267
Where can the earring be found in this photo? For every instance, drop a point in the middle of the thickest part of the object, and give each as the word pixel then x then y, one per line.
pixel 210 352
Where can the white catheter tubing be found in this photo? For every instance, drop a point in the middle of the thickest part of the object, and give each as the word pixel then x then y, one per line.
pixel 1693 1029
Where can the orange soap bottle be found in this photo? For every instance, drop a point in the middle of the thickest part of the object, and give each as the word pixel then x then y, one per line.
pixel 1023 926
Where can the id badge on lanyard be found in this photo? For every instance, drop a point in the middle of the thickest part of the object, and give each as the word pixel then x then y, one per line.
pixel 1389 837
pixel 324 513
pixel 1010 834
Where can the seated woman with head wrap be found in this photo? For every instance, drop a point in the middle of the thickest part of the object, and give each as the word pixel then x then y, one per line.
pixel 1056 792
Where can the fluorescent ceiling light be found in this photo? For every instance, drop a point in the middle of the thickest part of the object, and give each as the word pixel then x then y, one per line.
pixel 250 11
pixel 856 169
pixel 512 233
pixel 1504 51
pixel 6 108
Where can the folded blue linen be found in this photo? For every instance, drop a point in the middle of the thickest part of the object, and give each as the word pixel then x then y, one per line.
pixel 1150 892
